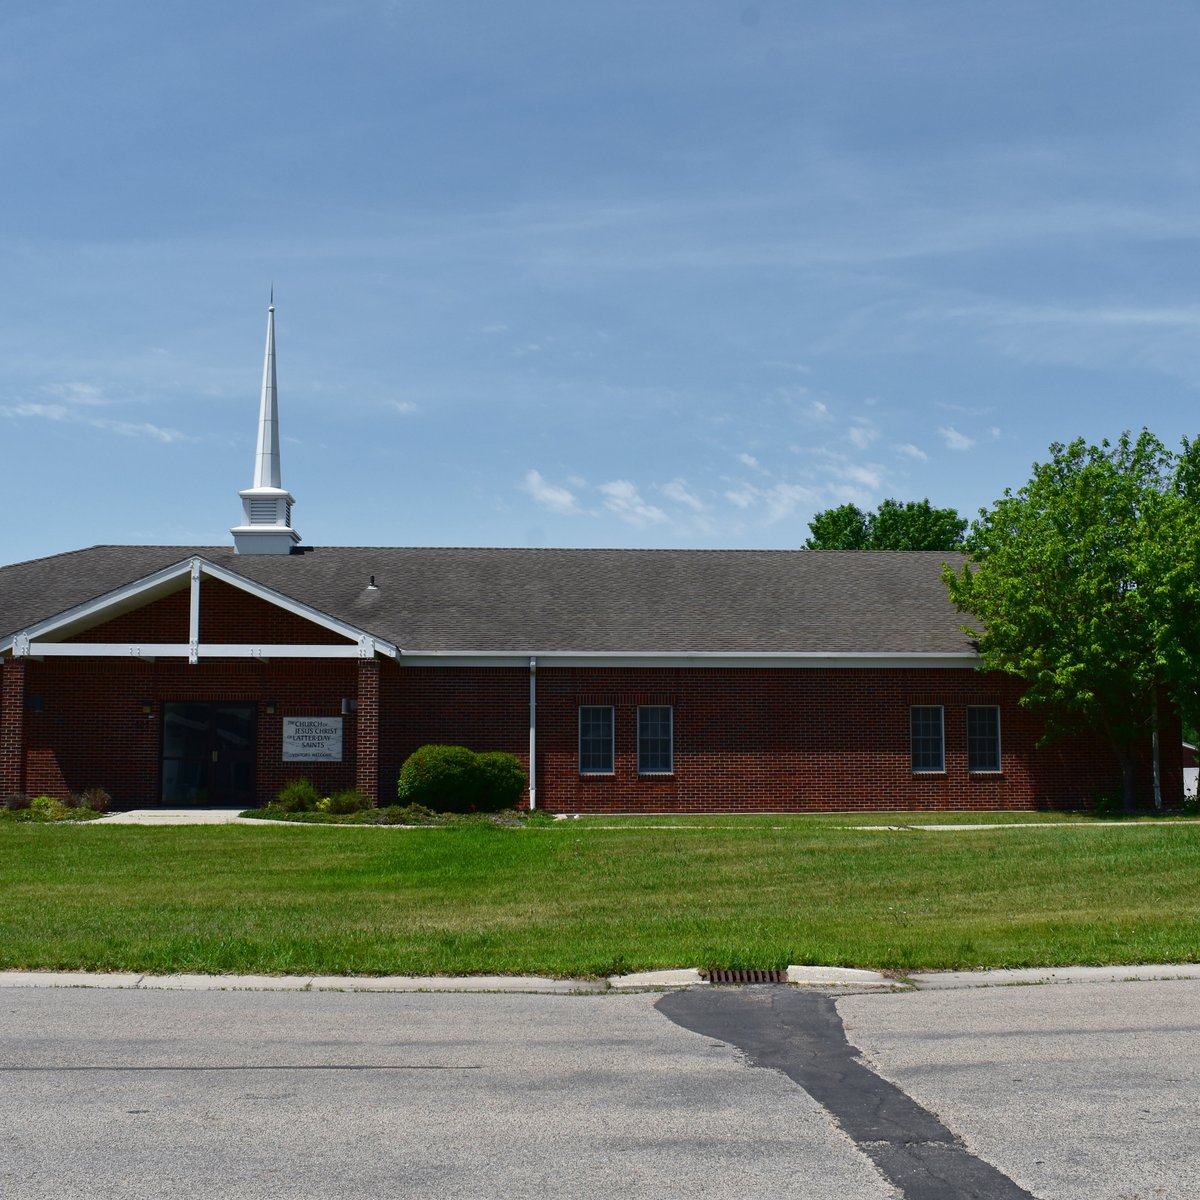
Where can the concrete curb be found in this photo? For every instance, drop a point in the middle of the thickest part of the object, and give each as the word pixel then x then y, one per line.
pixel 642 981
pixel 1029 976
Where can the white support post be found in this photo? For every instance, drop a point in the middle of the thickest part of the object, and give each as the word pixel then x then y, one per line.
pixel 194 615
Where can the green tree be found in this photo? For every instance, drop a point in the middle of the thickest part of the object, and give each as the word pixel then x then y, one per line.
pixel 842 528
pixel 913 525
pixel 1084 583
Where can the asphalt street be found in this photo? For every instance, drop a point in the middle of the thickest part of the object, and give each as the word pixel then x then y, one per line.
pixel 1052 1091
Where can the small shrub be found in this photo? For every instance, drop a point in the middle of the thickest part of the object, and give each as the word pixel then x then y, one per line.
pixel 16 802
pixel 47 808
pixel 444 778
pixel 95 798
pixel 297 795
pixel 504 780
pixel 343 803
pixel 1106 804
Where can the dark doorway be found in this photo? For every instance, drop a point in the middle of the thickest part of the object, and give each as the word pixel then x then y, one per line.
pixel 208 755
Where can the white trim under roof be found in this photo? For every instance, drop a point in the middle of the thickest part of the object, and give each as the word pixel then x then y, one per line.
pixel 927 659
pixel 45 638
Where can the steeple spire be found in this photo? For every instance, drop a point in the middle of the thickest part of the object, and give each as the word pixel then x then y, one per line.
pixel 266 506
pixel 266 461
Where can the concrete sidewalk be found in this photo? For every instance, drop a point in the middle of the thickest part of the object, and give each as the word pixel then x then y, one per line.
pixel 177 816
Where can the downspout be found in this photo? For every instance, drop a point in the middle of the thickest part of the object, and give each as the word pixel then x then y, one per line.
pixel 532 733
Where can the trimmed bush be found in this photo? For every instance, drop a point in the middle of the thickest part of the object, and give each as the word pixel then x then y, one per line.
pixel 444 778
pixel 454 779
pixel 297 795
pixel 504 780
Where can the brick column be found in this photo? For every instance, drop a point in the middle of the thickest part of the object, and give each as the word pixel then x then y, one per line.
pixel 366 767
pixel 12 726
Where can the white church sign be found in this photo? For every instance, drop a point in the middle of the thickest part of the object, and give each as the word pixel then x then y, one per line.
pixel 312 739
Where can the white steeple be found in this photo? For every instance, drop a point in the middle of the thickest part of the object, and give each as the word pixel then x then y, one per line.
pixel 266 507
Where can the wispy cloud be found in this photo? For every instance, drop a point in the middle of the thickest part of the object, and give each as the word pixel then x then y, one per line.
pixel 908 450
pixel 955 440
pixel 678 491
pixel 76 393
pixel 778 501
pixel 549 495
pixel 748 460
pixel 862 432
pixel 622 498
pixel 62 413
pixel 404 407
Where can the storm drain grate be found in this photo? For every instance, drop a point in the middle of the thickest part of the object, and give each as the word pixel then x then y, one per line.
pixel 751 975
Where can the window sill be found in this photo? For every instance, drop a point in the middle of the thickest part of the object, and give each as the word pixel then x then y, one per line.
pixel 656 774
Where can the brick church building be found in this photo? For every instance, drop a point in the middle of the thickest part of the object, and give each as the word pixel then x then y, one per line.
pixel 626 680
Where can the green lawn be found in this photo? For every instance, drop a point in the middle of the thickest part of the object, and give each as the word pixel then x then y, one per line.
pixel 597 896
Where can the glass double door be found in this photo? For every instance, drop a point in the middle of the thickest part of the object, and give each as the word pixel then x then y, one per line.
pixel 208 754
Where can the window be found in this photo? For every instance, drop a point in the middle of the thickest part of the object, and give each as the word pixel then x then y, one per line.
pixel 596 739
pixel 983 737
pixel 655 740
pixel 926 739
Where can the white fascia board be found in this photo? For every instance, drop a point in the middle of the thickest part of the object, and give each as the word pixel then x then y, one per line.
pixel 297 607
pixel 185 649
pixel 936 660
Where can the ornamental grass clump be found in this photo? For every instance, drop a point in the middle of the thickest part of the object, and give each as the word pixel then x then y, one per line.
pixel 297 795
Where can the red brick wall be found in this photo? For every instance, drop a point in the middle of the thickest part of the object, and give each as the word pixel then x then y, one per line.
pixel 755 739
pixel 745 739
pixel 227 614
pixel 92 730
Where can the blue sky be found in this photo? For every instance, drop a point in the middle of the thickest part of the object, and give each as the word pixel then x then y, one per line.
pixel 620 274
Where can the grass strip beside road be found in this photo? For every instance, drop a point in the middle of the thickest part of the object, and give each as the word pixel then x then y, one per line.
pixel 579 899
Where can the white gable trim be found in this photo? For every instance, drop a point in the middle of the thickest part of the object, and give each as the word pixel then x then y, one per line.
pixel 46 637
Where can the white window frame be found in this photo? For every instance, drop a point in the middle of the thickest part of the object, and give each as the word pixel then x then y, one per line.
pixel 612 740
pixel 999 767
pixel 912 739
pixel 669 769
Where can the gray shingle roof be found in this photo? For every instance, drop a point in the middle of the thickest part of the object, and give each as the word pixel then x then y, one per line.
pixel 430 599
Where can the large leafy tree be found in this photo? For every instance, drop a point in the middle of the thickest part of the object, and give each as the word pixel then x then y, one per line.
pixel 1084 583
pixel 913 525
